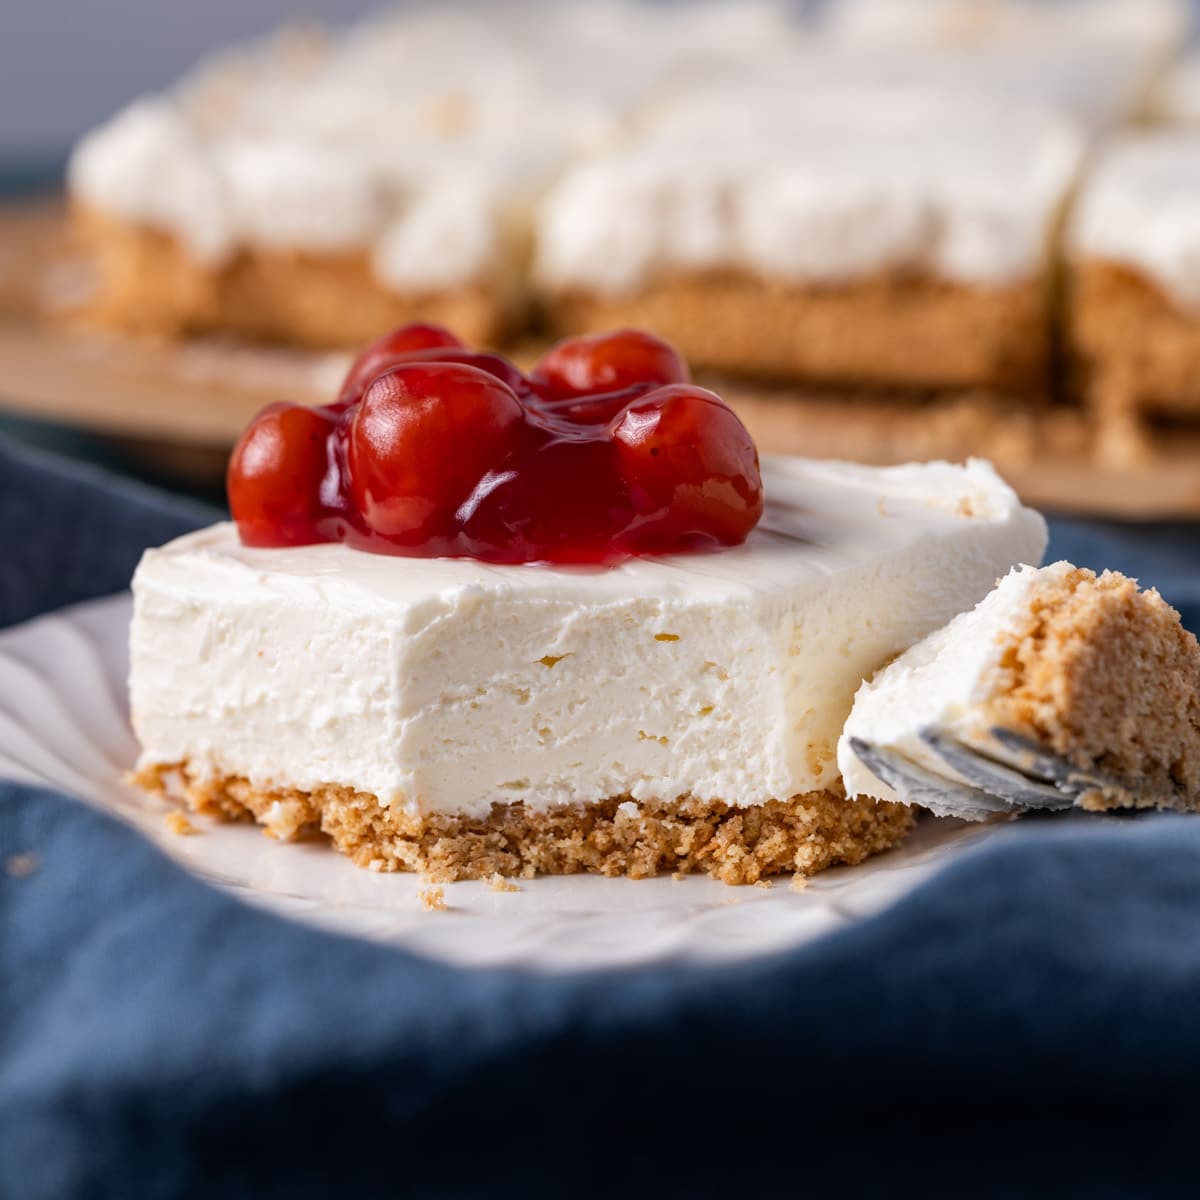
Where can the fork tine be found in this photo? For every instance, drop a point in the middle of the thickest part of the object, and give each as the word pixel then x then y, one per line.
pixel 998 779
pixel 919 786
pixel 1032 759
pixel 1116 792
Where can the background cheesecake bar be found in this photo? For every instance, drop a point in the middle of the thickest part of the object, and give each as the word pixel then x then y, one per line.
pixel 460 718
pixel 1134 284
pixel 860 234
pixel 319 189
pixel 1082 667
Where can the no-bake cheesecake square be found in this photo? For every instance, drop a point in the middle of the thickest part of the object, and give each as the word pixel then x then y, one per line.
pixel 462 718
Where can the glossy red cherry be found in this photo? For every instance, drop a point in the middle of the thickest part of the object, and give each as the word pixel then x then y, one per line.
pixel 693 465
pixel 494 364
pixel 389 349
pixel 436 449
pixel 607 362
pixel 422 437
pixel 275 475
pixel 598 409
pixel 565 503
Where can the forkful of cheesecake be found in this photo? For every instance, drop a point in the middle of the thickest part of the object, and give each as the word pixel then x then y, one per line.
pixel 1061 689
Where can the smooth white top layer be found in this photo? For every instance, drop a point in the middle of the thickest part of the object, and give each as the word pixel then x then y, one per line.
pixel 941 683
pixel 1139 208
pixel 823 186
pixel 450 685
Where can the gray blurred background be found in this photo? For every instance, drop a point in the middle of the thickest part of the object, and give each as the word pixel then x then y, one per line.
pixel 65 64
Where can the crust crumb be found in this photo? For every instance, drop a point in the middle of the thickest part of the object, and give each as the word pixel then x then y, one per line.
pixel 498 883
pixel 799 883
pixel 433 899
pixel 21 866
pixel 178 823
pixel 763 883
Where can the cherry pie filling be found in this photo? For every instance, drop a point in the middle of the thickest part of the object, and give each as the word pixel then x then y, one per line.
pixel 604 451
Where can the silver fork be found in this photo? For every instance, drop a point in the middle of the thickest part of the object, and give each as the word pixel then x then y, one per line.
pixel 1014 775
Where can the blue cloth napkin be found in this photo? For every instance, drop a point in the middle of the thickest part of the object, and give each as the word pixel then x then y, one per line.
pixel 1028 1023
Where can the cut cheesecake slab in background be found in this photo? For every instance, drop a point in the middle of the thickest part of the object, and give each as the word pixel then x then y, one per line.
pixel 846 234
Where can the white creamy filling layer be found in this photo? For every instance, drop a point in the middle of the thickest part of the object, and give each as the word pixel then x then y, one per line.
pixel 450 685
pixel 941 683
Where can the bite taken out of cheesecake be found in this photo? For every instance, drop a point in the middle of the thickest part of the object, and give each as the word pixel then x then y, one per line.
pixel 598 637
pixel 1083 683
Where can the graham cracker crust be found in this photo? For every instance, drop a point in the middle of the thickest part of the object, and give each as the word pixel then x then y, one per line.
pixel 148 284
pixel 1107 677
pixel 802 835
pixel 897 330
pixel 1133 350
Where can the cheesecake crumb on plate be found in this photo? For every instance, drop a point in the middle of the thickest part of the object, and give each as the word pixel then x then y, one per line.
pixel 177 823
pixel 22 866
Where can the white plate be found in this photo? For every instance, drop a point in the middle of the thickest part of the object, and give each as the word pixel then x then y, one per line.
pixel 64 722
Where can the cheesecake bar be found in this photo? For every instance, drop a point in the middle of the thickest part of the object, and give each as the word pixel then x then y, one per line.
pixel 463 718
pixel 292 190
pixel 862 235
pixel 319 188
pixel 1134 285
pixel 1062 662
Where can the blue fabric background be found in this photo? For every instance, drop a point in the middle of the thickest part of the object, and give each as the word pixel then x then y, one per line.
pixel 1026 1024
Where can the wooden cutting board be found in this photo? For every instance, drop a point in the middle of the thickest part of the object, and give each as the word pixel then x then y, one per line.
pixel 181 398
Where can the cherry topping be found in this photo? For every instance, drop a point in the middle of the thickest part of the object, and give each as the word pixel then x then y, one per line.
pixel 695 466
pixel 566 503
pixel 391 348
pixel 606 451
pixel 607 362
pixel 420 440
pixel 597 409
pixel 494 364
pixel 275 475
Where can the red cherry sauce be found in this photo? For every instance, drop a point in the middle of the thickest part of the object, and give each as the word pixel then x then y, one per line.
pixel 605 450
